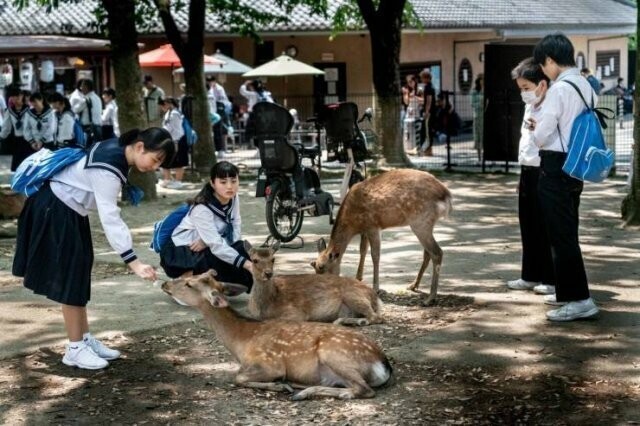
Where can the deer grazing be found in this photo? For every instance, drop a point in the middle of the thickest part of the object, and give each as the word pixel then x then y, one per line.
pixel 320 359
pixel 395 198
pixel 308 297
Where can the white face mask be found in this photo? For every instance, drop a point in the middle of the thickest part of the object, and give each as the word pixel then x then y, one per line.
pixel 529 97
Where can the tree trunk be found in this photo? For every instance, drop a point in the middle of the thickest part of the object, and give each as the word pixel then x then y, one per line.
pixel 123 36
pixel 385 29
pixel 631 203
pixel 191 53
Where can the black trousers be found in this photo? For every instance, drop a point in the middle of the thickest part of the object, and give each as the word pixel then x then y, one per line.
pixel 537 264
pixel 560 200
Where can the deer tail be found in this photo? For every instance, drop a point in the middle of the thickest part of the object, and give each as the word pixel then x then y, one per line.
pixel 444 207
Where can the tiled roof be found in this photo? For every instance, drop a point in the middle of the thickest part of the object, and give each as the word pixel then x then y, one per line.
pixel 76 18
pixel 511 13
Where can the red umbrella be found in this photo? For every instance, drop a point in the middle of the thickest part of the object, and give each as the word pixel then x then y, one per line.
pixel 165 56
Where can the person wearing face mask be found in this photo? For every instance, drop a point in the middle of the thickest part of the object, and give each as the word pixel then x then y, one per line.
pixel 537 265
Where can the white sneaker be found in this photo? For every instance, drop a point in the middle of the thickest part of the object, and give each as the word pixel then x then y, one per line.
pixel 83 356
pixel 550 299
pixel 101 350
pixel 574 310
pixel 521 284
pixel 175 184
pixel 544 289
pixel 164 183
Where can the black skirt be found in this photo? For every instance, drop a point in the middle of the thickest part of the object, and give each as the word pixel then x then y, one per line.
pixel 178 260
pixel 54 252
pixel 182 156
pixel 21 150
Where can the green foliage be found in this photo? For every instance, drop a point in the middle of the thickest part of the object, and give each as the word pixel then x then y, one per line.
pixel 237 17
pixel 348 17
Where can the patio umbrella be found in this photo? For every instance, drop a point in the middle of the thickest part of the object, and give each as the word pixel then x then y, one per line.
pixel 165 56
pixel 230 66
pixel 283 66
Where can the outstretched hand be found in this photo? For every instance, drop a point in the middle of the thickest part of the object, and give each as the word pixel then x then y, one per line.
pixel 144 271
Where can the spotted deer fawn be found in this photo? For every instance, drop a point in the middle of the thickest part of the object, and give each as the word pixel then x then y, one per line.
pixel 308 297
pixel 320 359
pixel 395 198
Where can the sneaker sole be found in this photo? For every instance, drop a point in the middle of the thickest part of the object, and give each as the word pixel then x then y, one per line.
pixel 73 364
pixel 546 302
pixel 584 315
pixel 544 293
pixel 520 288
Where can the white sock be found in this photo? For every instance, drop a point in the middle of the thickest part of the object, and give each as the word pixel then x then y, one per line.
pixel 86 336
pixel 74 346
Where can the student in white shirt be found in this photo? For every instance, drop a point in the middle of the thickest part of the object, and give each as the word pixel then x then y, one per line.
pixel 537 266
pixel 110 126
pixel 54 252
pixel 560 193
pixel 40 122
pixel 172 122
pixel 255 92
pixel 64 132
pixel 12 133
pixel 210 236
pixel 87 105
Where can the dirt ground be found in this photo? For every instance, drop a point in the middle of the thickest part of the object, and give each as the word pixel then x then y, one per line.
pixel 481 355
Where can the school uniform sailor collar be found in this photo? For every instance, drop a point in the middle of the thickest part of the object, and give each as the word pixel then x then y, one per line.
pixel 220 210
pixel 109 155
pixel 33 113
pixel 18 115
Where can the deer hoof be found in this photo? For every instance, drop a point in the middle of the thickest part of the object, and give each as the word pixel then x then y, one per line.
pixel 362 322
pixel 287 387
pixel 299 396
pixel 413 287
pixel 339 321
pixel 347 394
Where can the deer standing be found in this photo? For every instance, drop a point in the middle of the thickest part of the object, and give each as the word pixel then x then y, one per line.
pixel 308 297
pixel 395 198
pixel 322 359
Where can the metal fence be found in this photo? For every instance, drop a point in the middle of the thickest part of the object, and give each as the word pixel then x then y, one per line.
pixel 455 152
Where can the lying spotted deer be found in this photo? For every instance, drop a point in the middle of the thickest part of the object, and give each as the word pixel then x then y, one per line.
pixel 321 359
pixel 308 297
pixel 395 198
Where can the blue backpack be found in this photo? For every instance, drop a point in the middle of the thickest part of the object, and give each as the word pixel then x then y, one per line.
pixel 41 166
pixel 189 133
pixel 163 229
pixel 588 158
pixel 78 134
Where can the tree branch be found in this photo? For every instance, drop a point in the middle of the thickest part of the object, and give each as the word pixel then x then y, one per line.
pixel 368 11
pixel 170 27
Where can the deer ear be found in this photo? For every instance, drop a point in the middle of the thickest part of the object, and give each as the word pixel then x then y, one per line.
pixel 217 301
pixel 275 247
pixel 335 253
pixel 313 264
pixel 212 273
pixel 322 245
pixel 231 289
pixel 247 246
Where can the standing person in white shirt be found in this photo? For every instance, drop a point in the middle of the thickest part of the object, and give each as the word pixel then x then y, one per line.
pixel 172 122
pixel 64 133
pixel 110 126
pixel 559 192
pixel 54 251
pixel 255 92
pixel 87 105
pixel 152 94
pixel 39 123
pixel 537 265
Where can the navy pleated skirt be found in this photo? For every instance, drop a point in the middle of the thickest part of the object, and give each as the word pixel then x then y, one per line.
pixel 54 252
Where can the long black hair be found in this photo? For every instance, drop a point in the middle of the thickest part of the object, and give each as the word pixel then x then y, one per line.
pixel 220 170
pixel 154 139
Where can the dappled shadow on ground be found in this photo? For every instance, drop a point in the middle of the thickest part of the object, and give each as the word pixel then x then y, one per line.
pixel 182 375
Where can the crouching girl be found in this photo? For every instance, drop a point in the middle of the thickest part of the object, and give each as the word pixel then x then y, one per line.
pixel 209 236
pixel 54 251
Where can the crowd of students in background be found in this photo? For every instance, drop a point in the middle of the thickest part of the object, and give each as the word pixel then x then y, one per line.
pixel 31 121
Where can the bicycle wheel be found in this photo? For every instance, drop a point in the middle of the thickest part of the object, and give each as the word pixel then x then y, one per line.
pixel 284 219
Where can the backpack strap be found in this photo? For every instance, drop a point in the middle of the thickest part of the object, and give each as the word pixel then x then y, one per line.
pixel 601 113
